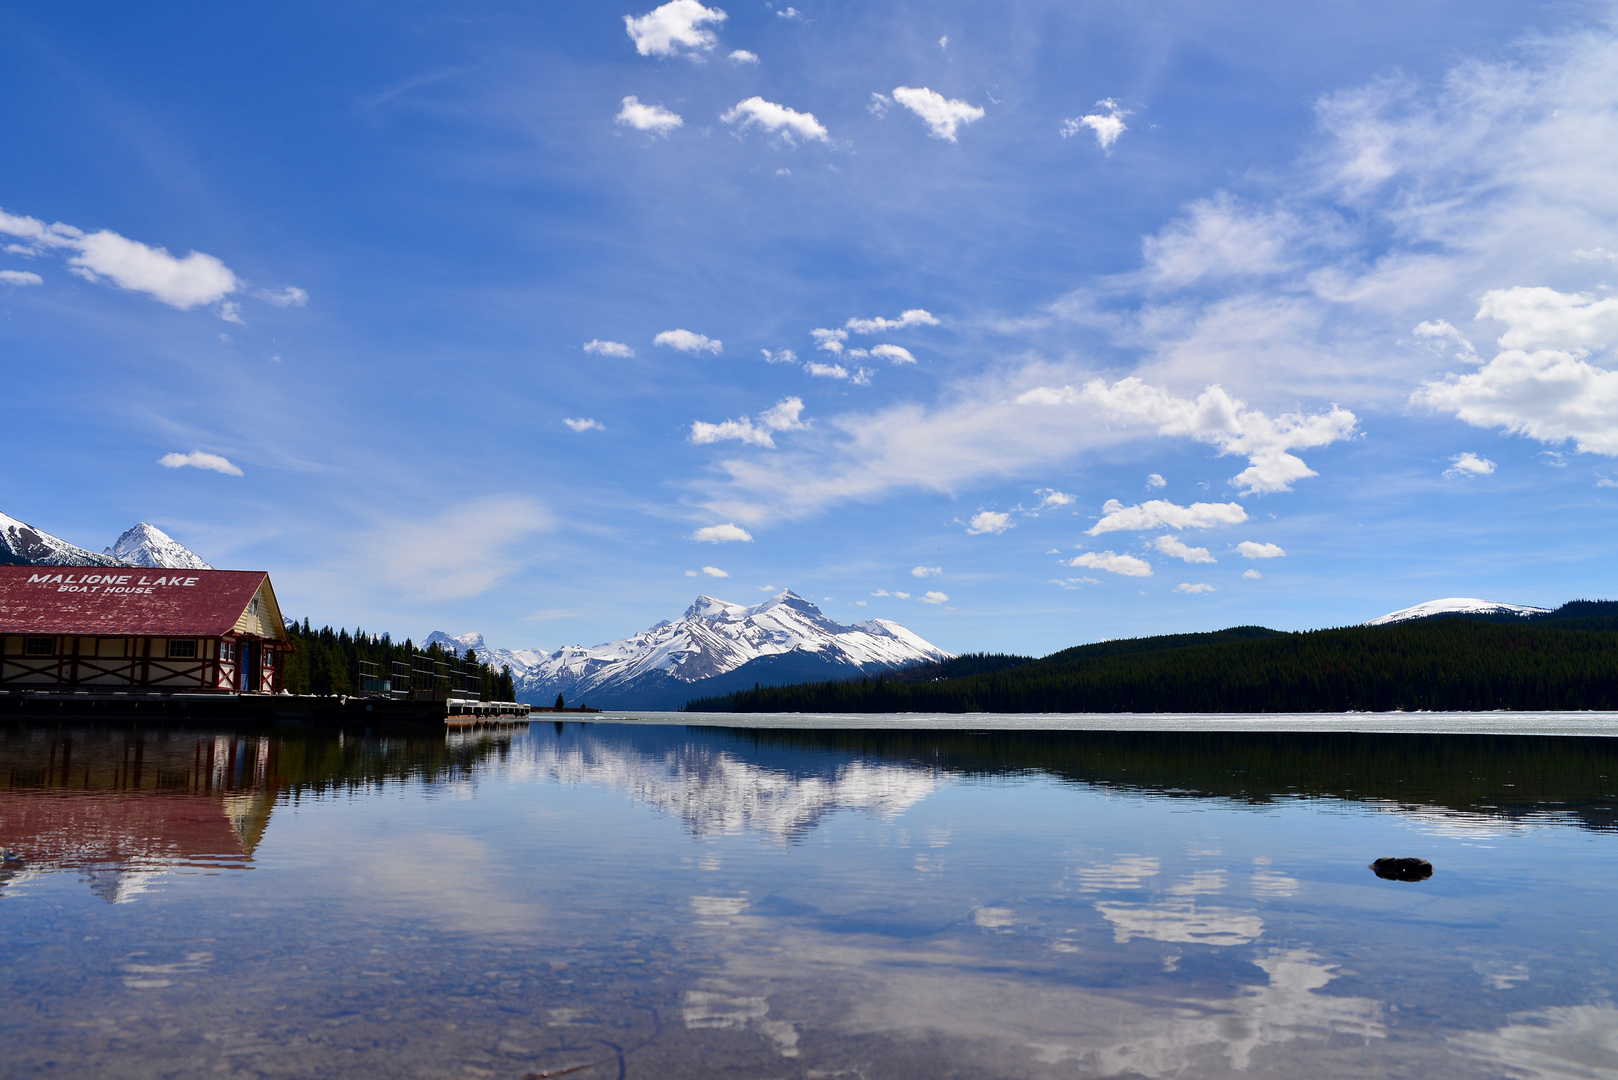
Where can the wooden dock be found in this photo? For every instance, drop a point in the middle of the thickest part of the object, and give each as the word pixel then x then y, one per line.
pixel 287 711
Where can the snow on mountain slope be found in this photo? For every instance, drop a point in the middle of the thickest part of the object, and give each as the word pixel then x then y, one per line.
pixel 712 637
pixel 519 660
pixel 1456 605
pixel 147 545
pixel 21 543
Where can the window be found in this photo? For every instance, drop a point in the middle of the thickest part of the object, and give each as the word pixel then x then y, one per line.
pixel 39 646
pixel 182 649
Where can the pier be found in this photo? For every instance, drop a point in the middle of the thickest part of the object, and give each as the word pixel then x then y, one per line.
pixel 285 711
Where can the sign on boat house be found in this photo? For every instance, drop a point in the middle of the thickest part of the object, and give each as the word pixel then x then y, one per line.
pixel 133 629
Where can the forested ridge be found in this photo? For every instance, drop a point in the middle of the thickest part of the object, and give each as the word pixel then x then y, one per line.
pixel 327 661
pixel 1567 662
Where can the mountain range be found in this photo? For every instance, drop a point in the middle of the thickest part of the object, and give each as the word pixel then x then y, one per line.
pixel 715 647
pixel 139 545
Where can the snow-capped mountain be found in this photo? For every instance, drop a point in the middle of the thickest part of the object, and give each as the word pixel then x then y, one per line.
pixel 21 543
pixel 785 637
pixel 519 660
pixel 147 545
pixel 1457 605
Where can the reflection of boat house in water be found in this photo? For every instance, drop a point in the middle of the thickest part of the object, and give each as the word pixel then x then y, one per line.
pixel 135 629
pixel 122 812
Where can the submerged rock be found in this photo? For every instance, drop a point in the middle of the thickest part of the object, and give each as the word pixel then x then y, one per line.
pixel 1403 869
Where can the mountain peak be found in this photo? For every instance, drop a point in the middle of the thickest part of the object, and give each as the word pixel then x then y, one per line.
pixel 146 545
pixel 21 543
pixel 1456 605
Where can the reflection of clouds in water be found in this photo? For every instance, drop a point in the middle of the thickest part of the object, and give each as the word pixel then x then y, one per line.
pixel 1128 872
pixel 1181 921
pixel 993 918
pixel 709 1009
pixel 1577 1042
pixel 156 976
pixel 1200 883
pixel 1499 975
pixel 715 792
pixel 717 910
pixel 1474 825
pixel 1287 1008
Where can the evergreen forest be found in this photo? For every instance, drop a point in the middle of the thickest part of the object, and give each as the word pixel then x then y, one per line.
pixel 328 661
pixel 1565 660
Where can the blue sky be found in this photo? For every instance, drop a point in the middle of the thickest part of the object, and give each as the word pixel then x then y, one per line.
pixel 1245 313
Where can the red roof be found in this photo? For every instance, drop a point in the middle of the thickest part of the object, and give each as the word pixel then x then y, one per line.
pixel 116 601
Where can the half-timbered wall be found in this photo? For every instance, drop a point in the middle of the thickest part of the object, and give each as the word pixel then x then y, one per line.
pixel 111 663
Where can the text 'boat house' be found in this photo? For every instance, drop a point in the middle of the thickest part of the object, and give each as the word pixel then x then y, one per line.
pixel 139 630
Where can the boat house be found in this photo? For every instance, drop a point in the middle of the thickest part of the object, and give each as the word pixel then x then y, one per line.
pixel 135 630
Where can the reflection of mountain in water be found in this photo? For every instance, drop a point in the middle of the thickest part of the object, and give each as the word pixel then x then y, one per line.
pixel 124 808
pixel 1468 779
pixel 717 783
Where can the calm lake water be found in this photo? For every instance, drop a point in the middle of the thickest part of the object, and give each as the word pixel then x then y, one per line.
pixel 642 900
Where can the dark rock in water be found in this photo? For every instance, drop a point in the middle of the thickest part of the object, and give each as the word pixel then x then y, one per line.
pixel 1403 869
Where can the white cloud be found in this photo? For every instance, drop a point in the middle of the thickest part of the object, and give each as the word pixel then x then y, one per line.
pixel 722 534
pixel 784 415
pixel 1187 587
pixel 789 13
pixel 742 56
pixel 858 376
pixel 291 296
pixel 1218 238
pixel 196 459
pixel 1469 464
pixel 1250 550
pixel 829 340
pixel 581 424
pixel 926 571
pixel 20 277
pixel 643 117
pixel 1179 549
pixel 989 521
pixel 1155 480
pixel 609 348
pixel 1217 418
pixel 775 119
pixel 1051 499
pixel 934 597
pixel 906 319
pixel 686 341
pixel 714 571
pixel 462 552
pixel 1107 126
pixel 901 595
pixel 231 312
pixel 880 592
pixel 1540 384
pixel 703 433
pixel 943 116
pixel 943 42
pixel 690 573
pixel 663 31
pixel 1155 513
pixel 1252 574
pixel 894 353
pixel 879 105
pixel 1127 565
pixel 129 264
pixel 779 356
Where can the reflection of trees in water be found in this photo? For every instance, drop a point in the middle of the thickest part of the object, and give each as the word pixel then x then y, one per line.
pixel 124 806
pixel 1498 777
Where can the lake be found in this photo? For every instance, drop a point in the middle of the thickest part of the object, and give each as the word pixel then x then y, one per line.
pixel 613 899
